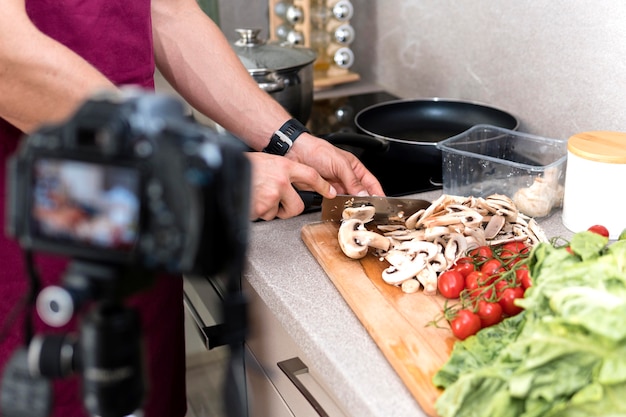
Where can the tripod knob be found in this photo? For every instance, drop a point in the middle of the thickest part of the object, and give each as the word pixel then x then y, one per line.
pixel 55 306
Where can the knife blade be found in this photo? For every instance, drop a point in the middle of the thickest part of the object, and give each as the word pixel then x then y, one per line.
pixel 388 209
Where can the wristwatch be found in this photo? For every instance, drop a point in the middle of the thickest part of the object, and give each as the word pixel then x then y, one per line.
pixel 282 140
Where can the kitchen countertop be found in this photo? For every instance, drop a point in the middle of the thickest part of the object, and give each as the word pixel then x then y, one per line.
pixel 305 301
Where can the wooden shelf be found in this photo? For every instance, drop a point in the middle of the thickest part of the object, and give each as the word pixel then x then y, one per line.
pixel 323 79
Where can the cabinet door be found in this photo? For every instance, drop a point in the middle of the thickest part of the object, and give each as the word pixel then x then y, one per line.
pixel 271 346
pixel 263 397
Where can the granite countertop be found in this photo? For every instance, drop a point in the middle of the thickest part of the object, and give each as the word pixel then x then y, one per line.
pixel 305 301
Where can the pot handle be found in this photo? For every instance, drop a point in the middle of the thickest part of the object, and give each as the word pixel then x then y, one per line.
pixel 277 84
pixel 365 142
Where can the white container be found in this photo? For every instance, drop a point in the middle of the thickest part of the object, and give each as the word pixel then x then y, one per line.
pixel 594 182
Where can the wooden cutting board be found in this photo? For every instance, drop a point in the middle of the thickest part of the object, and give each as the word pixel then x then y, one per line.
pixel 398 322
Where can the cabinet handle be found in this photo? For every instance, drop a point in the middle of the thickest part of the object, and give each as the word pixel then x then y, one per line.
pixel 212 336
pixel 294 367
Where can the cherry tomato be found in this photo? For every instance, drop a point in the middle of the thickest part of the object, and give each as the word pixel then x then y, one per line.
pixel 464 266
pixel 507 300
pixel 512 261
pixel 450 284
pixel 474 280
pixel 599 229
pixel 482 253
pixel 514 248
pixel 491 269
pixel 465 324
pixel 499 287
pixel 484 292
pixel 522 277
pixel 489 313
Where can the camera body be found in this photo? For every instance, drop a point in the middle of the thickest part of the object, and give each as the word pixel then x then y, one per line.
pixel 130 180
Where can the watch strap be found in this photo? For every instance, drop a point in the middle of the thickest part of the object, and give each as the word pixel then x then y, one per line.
pixel 282 140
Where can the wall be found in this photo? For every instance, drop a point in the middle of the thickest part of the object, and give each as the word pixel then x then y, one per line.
pixel 559 65
pixel 243 14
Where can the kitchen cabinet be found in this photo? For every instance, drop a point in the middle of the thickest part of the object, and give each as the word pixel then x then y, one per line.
pixel 271 392
pixel 275 387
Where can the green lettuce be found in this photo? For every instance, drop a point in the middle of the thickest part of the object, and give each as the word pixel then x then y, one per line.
pixel 564 355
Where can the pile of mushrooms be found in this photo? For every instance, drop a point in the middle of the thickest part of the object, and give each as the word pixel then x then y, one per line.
pixel 431 240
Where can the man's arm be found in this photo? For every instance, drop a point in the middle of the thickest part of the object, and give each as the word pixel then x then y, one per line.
pixel 195 57
pixel 40 79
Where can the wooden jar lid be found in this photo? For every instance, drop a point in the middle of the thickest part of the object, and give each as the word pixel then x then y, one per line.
pixel 599 146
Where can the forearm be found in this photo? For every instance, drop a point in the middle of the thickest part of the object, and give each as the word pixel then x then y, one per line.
pixel 201 65
pixel 40 79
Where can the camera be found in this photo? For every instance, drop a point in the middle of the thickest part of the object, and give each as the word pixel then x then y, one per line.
pixel 131 180
pixel 127 187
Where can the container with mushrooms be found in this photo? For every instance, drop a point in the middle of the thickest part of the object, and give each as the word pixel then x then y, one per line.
pixel 431 240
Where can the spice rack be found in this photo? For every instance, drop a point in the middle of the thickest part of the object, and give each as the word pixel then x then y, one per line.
pixel 322 25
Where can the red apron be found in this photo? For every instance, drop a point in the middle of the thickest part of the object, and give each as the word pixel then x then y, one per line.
pixel 116 37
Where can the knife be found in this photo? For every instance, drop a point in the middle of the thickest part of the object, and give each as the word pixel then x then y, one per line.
pixel 388 209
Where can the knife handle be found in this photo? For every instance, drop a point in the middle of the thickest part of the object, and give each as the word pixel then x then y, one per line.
pixel 311 199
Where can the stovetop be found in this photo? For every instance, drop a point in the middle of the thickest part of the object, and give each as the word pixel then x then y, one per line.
pixel 337 114
pixel 331 115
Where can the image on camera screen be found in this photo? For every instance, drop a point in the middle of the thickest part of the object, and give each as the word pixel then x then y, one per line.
pixel 86 203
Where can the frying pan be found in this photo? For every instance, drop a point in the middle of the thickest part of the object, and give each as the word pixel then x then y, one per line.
pixel 420 124
pixel 412 128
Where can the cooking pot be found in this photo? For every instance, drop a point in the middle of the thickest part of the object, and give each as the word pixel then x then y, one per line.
pixel 412 128
pixel 283 70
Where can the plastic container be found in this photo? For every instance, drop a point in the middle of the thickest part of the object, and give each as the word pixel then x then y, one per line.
pixel 594 192
pixel 487 160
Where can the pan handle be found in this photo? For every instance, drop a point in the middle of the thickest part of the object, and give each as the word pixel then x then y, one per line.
pixel 366 143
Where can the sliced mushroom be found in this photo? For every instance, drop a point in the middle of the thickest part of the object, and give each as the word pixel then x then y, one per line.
pixel 395 228
pixel 412 220
pixel 503 205
pixel 432 233
pixel 397 257
pixel 428 278
pixel 439 263
pixel 422 248
pixel 364 213
pixel 406 234
pixel 455 248
pixel 355 240
pixel 475 238
pixel 495 224
pixel 410 286
pixel 536 232
pixel 397 275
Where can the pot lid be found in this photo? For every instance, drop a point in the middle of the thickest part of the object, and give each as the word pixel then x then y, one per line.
pixel 257 55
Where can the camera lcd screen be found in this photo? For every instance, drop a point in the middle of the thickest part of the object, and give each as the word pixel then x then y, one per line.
pixel 86 203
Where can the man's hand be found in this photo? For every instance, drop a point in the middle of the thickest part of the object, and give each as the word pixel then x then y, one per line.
pixel 340 168
pixel 272 186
